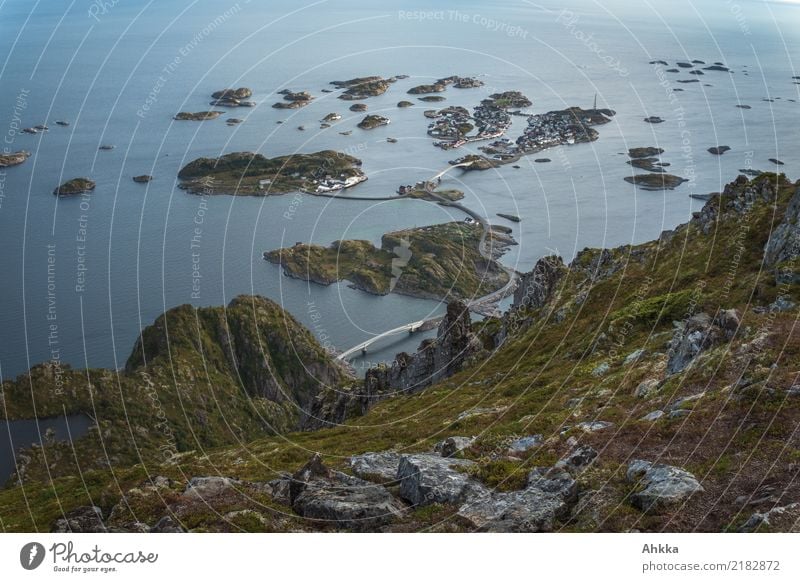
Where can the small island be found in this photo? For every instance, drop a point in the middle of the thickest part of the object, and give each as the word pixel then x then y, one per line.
pixel 719 150
pixel 441 84
pixel 292 100
pixel 251 174
pixel 7 160
pixel 425 89
pixel 143 179
pixel 511 217
pixel 435 262
pixel 404 104
pixel 232 97
pixel 432 98
pixel 358 107
pixel 198 116
pixel 373 121
pixel 645 152
pixel 655 181
pixel 74 187
pixel 363 87
pixel 644 158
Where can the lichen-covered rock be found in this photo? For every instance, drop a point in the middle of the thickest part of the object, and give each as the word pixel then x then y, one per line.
pixel 694 335
pixel 538 287
pixel 659 486
pixel 785 519
pixel 205 487
pixel 529 510
pixel 546 499
pixel 347 502
pixel 427 478
pixel 784 242
pixel 577 460
pixel 380 467
pixel 86 519
pixel 321 494
pixel 524 444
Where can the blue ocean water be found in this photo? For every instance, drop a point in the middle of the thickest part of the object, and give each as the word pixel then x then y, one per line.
pixel 83 276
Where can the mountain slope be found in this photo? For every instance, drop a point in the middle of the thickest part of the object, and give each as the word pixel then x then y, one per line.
pixel 648 387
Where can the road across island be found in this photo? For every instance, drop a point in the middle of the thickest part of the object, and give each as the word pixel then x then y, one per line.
pixel 484 305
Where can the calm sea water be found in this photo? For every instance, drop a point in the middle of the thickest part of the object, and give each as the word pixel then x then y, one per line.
pixel 120 258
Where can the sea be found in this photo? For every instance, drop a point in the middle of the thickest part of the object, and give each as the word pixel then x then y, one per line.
pixel 83 275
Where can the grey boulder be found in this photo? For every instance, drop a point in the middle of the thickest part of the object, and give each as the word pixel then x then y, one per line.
pixel 380 467
pixel 660 486
pixel 426 479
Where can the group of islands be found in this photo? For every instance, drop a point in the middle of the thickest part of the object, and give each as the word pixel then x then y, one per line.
pixel 439 261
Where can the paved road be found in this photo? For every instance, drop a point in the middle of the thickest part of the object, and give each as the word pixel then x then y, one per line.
pixel 486 305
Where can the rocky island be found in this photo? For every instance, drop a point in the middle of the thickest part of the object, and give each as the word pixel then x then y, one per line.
pixel 645 158
pixel 251 174
pixel 363 87
pixel 441 84
pixel 232 97
pixel 292 100
pixel 143 179
pixel 373 121
pixel 74 187
pixel 434 262
pixel 14 159
pixel 657 181
pixel 198 116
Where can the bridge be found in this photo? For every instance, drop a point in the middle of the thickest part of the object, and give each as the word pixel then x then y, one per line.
pixel 447 169
pixel 486 305
pixel 422 324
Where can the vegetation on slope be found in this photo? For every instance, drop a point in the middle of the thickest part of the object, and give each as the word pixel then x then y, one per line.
pixel 581 356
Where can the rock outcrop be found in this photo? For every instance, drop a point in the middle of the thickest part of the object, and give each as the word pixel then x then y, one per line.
pixel 13 159
pixel 783 246
pixel 321 494
pixel 697 334
pixel 660 486
pixel 435 360
pixel 74 187
pixel 538 287
pixel 87 519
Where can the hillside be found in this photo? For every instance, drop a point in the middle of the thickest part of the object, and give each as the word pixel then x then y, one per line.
pixel 648 387
pixel 197 378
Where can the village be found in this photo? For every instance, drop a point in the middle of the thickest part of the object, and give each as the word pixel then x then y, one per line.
pixel 453 124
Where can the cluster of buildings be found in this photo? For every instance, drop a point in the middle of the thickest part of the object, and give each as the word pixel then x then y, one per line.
pixel 329 184
pixel 544 131
pixel 489 120
pixel 551 129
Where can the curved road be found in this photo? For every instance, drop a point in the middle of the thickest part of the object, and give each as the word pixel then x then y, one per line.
pixel 485 305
